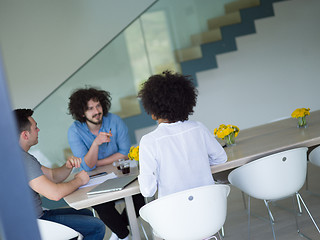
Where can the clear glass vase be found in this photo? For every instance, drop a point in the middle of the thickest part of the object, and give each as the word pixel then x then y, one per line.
pixel 302 122
pixel 230 140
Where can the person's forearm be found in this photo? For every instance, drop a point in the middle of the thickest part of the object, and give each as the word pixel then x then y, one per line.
pixel 60 174
pixel 91 157
pixel 111 159
pixel 61 190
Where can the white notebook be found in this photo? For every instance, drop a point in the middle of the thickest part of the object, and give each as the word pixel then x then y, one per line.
pixel 98 180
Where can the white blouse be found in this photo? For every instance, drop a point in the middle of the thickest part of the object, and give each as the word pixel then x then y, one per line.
pixel 176 157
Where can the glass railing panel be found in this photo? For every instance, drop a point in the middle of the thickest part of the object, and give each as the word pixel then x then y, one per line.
pixel 110 70
pixel 159 44
pixel 146 47
pixel 188 17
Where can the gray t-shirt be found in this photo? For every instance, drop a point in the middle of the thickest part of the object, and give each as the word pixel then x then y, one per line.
pixel 33 168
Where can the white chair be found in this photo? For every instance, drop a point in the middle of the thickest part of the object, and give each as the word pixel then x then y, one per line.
pixel 274 177
pixel 314 158
pixel 194 214
pixel 55 231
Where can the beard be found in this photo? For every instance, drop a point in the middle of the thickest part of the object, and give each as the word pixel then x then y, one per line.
pixel 98 122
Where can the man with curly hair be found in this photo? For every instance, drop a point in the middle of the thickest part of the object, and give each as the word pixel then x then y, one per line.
pixel 177 155
pixel 99 138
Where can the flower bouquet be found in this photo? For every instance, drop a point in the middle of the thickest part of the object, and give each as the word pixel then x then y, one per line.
pixel 134 153
pixel 300 114
pixel 228 133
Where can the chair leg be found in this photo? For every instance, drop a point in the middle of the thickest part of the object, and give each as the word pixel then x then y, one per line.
pixel 262 217
pixel 222 232
pixel 296 218
pixel 307 178
pixel 299 205
pixel 143 230
pixel 94 213
pixel 306 208
pixel 271 219
pixel 269 211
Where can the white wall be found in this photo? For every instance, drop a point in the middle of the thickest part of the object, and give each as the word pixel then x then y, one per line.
pixel 273 72
pixel 43 42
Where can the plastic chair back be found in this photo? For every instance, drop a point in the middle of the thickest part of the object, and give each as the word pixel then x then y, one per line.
pixel 55 231
pixel 273 177
pixel 193 214
pixel 314 156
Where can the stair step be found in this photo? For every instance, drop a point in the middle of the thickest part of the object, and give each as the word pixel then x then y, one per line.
pixel 187 54
pixel 206 37
pixel 129 107
pixel 228 19
pixel 241 4
pixel 214 34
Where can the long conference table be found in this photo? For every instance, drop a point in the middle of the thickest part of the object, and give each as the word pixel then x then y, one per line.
pixel 251 144
pixel 263 140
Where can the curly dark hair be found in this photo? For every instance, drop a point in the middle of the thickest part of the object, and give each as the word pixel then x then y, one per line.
pixel 169 96
pixel 22 119
pixel 78 101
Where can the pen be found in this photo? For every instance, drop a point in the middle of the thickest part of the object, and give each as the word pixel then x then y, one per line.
pixel 108 142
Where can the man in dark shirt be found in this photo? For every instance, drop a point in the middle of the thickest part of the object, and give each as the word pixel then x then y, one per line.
pixel 49 183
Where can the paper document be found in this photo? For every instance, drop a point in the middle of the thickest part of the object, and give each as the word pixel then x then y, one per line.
pixel 99 180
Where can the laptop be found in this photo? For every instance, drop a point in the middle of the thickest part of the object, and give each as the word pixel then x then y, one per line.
pixel 114 184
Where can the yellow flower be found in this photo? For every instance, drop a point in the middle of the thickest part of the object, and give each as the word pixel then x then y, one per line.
pixel 134 153
pixel 225 130
pixel 300 112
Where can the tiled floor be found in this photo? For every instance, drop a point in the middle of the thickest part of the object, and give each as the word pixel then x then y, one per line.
pixel 285 226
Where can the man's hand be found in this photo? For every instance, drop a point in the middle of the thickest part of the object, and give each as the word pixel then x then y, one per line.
pixel 103 137
pixel 83 176
pixel 73 162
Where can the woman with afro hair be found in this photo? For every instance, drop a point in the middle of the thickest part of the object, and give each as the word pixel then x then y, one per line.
pixel 177 155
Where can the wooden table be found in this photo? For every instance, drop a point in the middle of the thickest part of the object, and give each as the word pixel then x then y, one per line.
pixel 79 199
pixel 251 144
pixel 263 140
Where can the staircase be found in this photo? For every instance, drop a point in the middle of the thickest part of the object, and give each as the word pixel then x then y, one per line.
pixel 214 33
pixel 220 38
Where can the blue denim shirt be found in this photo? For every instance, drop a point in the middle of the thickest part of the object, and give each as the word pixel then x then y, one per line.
pixel 80 139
